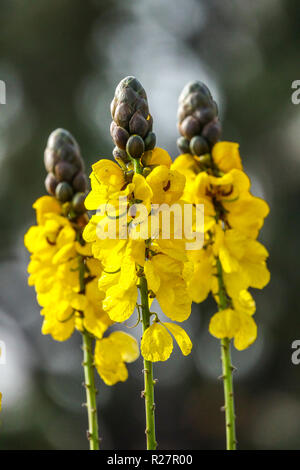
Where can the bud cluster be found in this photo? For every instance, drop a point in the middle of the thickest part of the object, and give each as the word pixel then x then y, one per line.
pixel 66 179
pixel 198 121
pixel 131 128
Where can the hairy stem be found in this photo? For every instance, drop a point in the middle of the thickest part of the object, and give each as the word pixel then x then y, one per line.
pixel 148 373
pixel 226 369
pixel 89 380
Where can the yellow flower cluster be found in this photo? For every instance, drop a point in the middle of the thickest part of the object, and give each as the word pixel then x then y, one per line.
pixel 231 253
pixel 141 251
pixel 65 275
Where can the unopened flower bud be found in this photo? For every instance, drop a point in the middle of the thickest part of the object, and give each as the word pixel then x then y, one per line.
pixel 63 192
pixel 198 145
pixel 64 171
pixel 78 203
pixel 79 183
pixel 138 125
pixel 150 141
pixel 205 115
pixel 50 159
pixel 123 115
pixel 51 183
pixel 135 146
pixel 212 131
pixel 183 144
pixel 120 136
pixel 190 127
pixel 120 155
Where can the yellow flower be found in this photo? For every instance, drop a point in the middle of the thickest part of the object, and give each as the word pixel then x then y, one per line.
pixel 111 353
pixel 234 324
pixel 54 271
pixel 157 343
pixel 226 156
pixel 155 157
pixel 123 257
pixel 243 261
pixel 167 185
pixel 165 277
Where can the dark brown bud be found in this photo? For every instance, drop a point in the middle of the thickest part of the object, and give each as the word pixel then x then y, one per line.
pixel 64 171
pixel 194 87
pixel 120 155
pixel 138 125
pixel 113 106
pixel 190 127
pixel 51 183
pixel 50 159
pixel 59 138
pixel 212 131
pixel 129 83
pixel 79 183
pixel 123 115
pixel 64 192
pixel 78 203
pixel 135 146
pixel 120 136
pixel 205 115
pixel 150 141
pixel 183 144
pixel 198 145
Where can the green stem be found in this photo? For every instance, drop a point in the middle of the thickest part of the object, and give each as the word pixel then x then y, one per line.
pixel 89 379
pixel 148 373
pixel 89 383
pixel 226 369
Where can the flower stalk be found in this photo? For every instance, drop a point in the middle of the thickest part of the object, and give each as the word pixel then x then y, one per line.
pixel 89 376
pixel 227 369
pixel 148 392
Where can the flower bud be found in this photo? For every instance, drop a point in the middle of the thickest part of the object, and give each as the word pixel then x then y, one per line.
pixel 194 87
pixel 64 171
pixel 79 183
pixel 212 131
pixel 51 183
pixel 78 203
pixel 205 115
pixel 150 141
pixel 198 145
pixel 120 136
pixel 120 155
pixel 183 144
pixel 63 192
pixel 138 125
pixel 123 115
pixel 135 146
pixel 50 159
pixel 190 127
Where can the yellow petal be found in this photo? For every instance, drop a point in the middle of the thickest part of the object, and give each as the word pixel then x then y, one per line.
pixel 224 324
pixel 246 334
pixel 181 337
pixel 226 156
pixel 44 205
pixel 157 156
pixel 152 277
pixel 157 343
pixel 126 345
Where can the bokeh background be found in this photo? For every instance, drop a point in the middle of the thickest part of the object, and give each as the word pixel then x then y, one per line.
pixel 61 61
